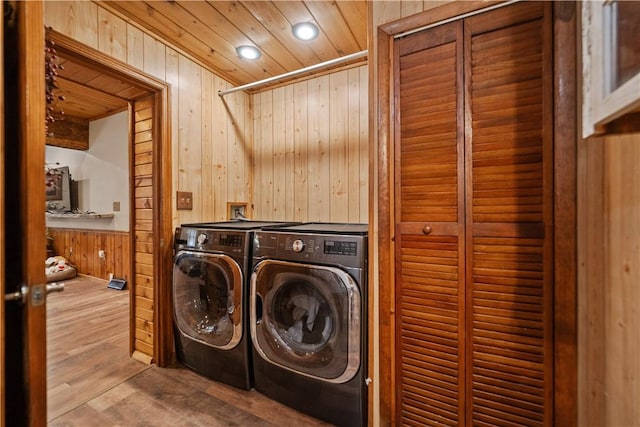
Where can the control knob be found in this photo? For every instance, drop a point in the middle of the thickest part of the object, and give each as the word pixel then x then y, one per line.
pixel 297 245
pixel 202 238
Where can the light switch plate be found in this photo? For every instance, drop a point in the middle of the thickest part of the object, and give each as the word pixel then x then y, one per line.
pixel 184 200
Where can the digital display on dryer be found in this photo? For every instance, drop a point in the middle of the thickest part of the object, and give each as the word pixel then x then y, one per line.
pixel 337 247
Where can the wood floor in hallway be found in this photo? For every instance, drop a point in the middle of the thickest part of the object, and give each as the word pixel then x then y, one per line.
pixel 92 381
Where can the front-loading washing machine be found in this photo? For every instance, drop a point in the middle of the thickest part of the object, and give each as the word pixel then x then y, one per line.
pixel 309 319
pixel 210 299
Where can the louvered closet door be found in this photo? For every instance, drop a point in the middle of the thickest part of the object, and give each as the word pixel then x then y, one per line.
pixel 473 201
pixel 509 260
pixel 429 240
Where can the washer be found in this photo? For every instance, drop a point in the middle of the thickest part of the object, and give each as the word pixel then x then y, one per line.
pixel 309 317
pixel 210 299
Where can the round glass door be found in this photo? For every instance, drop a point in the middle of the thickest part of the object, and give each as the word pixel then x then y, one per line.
pixel 306 318
pixel 207 298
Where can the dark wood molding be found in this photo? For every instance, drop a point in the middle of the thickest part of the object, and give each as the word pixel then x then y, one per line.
pixel 385 232
pixel 437 15
pixel 565 213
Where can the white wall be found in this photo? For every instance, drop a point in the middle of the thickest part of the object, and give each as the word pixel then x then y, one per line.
pixel 102 173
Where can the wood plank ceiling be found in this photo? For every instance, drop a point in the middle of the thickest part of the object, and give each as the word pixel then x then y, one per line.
pixel 210 31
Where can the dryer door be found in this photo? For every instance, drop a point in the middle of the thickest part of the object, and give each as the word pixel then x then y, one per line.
pixel 307 319
pixel 207 298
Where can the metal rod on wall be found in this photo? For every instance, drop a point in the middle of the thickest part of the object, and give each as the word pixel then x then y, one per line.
pixel 325 64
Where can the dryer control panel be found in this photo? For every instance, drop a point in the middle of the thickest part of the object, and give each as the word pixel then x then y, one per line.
pixel 323 249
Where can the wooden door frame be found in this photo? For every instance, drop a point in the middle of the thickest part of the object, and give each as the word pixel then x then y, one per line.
pixel 2 232
pixel 564 190
pixel 162 190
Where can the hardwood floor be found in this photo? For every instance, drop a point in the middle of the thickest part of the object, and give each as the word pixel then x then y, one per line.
pixel 92 381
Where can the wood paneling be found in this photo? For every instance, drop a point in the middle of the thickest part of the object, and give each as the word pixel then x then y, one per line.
pixel 143 221
pixel 310 150
pixel 227 130
pixel 81 248
pixel 609 273
pixel 209 32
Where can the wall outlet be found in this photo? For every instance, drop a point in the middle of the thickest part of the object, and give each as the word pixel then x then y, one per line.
pixel 101 253
pixel 184 200
pixel 116 206
pixel 237 210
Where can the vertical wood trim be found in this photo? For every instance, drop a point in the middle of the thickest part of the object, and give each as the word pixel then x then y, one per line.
pixel 2 229
pixel 163 232
pixel 31 138
pixel 465 206
pixel 591 283
pixel 386 249
pixel 565 216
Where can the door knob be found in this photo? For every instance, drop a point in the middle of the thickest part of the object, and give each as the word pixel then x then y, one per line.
pixel 20 295
pixel 427 229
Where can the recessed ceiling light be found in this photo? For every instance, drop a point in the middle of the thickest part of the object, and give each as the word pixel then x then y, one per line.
pixel 248 52
pixel 305 31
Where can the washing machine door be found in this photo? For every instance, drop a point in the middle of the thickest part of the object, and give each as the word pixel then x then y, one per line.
pixel 207 298
pixel 306 318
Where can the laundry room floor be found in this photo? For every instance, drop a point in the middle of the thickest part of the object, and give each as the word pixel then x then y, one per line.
pixel 93 382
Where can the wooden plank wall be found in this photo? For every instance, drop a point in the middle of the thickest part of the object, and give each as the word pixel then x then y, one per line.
pixel 608 279
pixel 143 134
pixel 311 149
pixel 81 248
pixel 211 136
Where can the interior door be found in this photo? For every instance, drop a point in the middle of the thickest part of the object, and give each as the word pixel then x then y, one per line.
pixel 24 342
pixel 430 244
pixel 474 203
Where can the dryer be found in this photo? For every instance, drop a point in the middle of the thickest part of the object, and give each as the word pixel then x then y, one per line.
pixel 308 317
pixel 210 299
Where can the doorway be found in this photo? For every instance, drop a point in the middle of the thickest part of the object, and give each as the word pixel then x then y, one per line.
pixel 150 193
